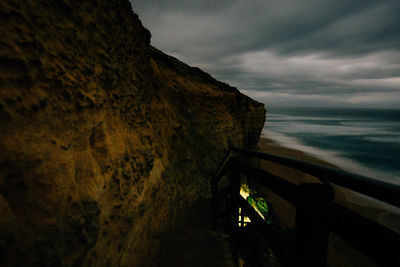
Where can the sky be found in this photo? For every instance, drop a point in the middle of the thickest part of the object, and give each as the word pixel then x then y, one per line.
pixel 303 53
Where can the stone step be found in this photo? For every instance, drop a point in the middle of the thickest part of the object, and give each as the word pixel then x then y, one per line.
pixel 196 246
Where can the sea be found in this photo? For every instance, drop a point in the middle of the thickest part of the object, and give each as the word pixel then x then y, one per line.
pixel 361 141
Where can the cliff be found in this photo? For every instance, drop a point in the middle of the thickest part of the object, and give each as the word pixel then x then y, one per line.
pixel 106 143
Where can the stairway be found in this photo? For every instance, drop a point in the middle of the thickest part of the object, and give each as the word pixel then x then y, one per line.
pixel 196 246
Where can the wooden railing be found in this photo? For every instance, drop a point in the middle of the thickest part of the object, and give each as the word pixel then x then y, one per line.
pixel 317 214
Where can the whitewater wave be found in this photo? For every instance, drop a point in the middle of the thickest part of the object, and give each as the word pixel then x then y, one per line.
pixel 347 165
pixel 331 157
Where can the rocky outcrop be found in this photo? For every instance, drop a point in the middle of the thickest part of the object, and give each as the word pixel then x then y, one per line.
pixel 106 143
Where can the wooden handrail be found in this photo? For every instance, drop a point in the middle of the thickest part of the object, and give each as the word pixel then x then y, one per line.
pixel 380 190
pixel 316 213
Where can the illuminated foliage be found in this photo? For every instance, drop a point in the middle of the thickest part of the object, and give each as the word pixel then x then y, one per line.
pixel 257 202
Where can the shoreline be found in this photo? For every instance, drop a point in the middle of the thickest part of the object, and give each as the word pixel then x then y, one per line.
pixel 331 156
pixel 369 208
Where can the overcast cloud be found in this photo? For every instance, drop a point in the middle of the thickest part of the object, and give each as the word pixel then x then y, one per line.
pixel 287 52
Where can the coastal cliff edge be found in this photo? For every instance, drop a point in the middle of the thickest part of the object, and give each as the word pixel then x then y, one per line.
pixel 106 142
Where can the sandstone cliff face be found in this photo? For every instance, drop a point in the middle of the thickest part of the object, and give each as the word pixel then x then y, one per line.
pixel 106 143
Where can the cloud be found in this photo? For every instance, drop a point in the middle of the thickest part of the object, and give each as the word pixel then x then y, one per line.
pixel 385 83
pixel 347 100
pixel 336 50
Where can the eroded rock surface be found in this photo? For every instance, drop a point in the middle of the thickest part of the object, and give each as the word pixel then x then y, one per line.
pixel 105 142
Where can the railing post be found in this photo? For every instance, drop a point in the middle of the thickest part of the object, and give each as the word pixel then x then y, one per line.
pixel 235 178
pixel 232 219
pixel 312 232
pixel 214 213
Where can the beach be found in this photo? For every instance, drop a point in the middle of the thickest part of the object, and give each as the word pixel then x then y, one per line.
pixel 338 248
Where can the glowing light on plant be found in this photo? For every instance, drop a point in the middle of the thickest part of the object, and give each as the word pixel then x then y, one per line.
pixel 256 201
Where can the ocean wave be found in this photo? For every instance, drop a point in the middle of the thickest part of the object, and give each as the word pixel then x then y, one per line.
pixel 332 157
pixel 391 212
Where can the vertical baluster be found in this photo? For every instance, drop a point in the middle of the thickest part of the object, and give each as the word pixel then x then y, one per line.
pixel 235 188
pixel 233 207
pixel 312 233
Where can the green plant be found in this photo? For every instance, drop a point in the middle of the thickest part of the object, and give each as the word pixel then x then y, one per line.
pixel 259 203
